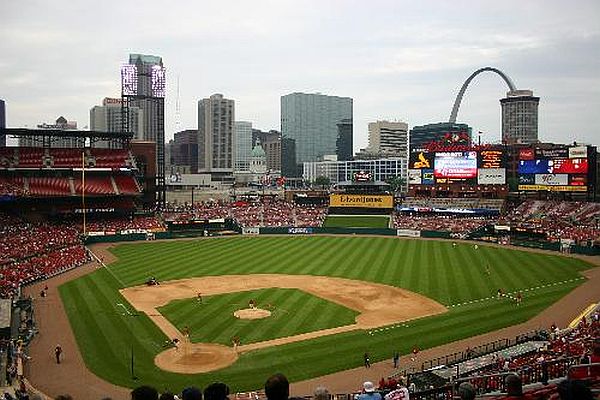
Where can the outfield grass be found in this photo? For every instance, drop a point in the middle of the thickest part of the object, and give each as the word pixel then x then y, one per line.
pixel 296 312
pixel 357 221
pixel 453 277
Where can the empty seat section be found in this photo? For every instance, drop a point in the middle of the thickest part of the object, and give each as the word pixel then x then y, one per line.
pixel 94 185
pixel 31 157
pixel 49 186
pixel 110 158
pixel 126 184
pixel 66 158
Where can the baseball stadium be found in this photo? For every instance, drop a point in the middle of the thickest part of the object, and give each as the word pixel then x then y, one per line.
pixel 460 278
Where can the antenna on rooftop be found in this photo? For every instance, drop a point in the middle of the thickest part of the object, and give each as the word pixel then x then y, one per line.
pixel 177 110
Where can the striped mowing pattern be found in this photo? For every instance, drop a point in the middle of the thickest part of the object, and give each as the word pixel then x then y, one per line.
pixel 455 277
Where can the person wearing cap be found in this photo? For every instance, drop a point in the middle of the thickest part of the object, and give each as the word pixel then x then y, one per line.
pixel 369 392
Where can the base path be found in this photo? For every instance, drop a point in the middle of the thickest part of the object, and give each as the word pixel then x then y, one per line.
pixel 378 305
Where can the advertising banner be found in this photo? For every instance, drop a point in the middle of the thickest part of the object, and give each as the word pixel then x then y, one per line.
pixel 577 180
pixel 552 153
pixel 414 176
pixel 455 164
pixel 420 160
pixel 427 177
pixel 569 166
pixel 300 231
pixel 250 230
pixel 534 167
pixel 491 159
pixel 491 176
pixel 578 152
pixel 527 179
pixel 551 179
pixel 536 188
pixel 360 200
pixel 408 233
pixel 526 154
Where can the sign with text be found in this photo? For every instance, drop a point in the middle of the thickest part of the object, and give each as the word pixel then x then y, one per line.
pixel 361 200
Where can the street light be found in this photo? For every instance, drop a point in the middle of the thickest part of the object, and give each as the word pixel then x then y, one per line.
pixel 129 314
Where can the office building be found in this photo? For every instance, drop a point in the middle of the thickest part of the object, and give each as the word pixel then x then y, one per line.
pixel 343 171
pixel 107 118
pixel 444 133
pixel 216 141
pixel 243 145
pixel 520 117
pixel 344 142
pixel 388 139
pixel 311 121
pixel 184 151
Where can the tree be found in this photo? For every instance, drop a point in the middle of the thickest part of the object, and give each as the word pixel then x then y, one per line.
pixel 397 183
pixel 322 181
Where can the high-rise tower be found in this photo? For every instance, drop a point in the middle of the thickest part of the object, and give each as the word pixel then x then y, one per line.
pixel 520 117
pixel 216 141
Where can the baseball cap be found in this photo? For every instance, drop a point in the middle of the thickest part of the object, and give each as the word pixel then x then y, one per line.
pixel 369 387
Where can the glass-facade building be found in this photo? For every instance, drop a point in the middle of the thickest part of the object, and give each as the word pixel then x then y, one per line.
pixel 342 171
pixel 243 145
pixel 311 121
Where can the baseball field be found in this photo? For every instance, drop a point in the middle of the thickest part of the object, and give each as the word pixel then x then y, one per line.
pixel 320 303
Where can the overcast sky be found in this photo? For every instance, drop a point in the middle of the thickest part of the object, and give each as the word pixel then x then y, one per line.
pixel 398 60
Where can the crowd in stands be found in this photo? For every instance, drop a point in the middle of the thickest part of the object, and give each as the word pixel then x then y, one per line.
pixel 446 223
pixel 456 203
pixel 267 213
pixel 557 219
pixel 119 224
pixel 35 250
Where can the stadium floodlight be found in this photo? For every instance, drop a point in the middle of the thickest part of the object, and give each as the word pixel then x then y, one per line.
pixel 129 80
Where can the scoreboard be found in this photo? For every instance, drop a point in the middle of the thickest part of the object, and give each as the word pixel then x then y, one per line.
pixel 483 167
pixel 560 169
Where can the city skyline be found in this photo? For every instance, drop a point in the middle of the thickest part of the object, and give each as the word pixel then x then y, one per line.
pixel 396 60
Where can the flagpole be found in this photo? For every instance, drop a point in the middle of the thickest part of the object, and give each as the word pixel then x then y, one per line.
pixel 83 188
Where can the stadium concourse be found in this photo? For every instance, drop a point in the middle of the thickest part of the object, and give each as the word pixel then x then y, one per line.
pixel 36 253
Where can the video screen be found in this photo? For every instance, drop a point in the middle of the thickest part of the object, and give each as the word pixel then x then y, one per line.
pixel 456 165
pixel 534 167
pixel 569 166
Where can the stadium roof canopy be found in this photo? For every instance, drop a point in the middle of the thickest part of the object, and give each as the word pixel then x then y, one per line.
pixel 364 184
pixel 67 133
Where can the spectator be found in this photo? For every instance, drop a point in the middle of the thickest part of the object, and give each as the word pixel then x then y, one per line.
pixel 514 386
pixel 466 391
pixel 191 393
pixel 369 392
pixel 216 391
pixel 321 393
pixel 144 393
pixel 277 387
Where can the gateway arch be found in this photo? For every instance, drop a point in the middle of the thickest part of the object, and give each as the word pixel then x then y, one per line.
pixel 509 83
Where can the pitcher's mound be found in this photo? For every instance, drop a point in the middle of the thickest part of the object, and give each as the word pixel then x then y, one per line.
pixel 252 313
pixel 194 358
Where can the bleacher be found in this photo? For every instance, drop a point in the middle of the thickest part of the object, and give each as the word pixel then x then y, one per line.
pixel 454 203
pixel 65 158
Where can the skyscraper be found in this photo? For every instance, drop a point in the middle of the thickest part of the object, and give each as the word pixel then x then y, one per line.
pixel 520 117
pixel 311 121
pixel 107 118
pixel 388 139
pixel 2 122
pixel 243 145
pixel 184 150
pixel 216 141
pixel 344 142
pixel 143 86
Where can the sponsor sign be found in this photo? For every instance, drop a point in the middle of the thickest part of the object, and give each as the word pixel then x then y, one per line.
pixel 534 167
pixel 300 231
pixel 359 200
pixel 528 179
pixel 526 154
pixel 491 176
pixel 491 159
pixel 427 177
pixel 578 152
pixel 502 228
pixel 552 153
pixel 408 233
pixel 569 166
pixel 420 160
pixel 551 179
pixel 536 188
pixel 414 176
pixel 363 176
pixel 455 164
pixel 250 230
pixel 578 180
